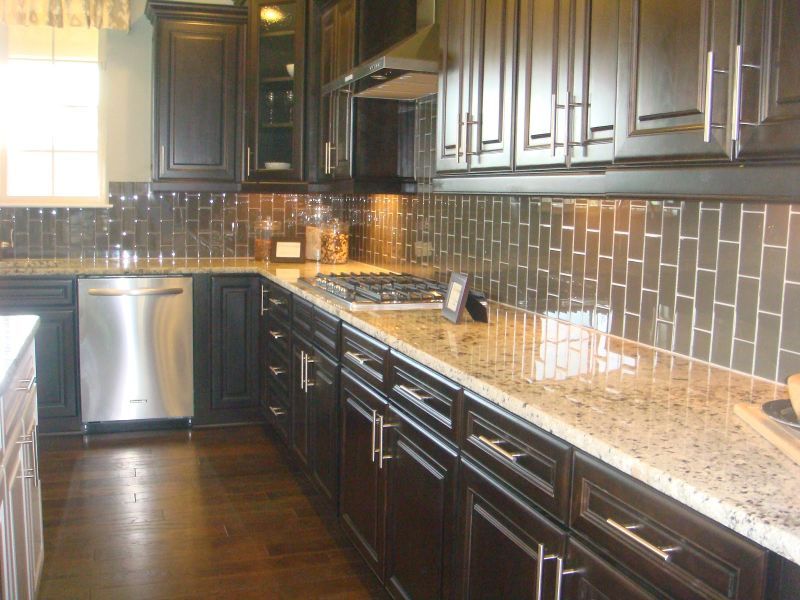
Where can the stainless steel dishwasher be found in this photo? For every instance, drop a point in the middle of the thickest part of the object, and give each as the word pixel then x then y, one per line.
pixel 135 348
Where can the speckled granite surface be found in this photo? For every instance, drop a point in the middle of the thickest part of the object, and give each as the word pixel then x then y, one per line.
pixel 666 420
pixel 15 334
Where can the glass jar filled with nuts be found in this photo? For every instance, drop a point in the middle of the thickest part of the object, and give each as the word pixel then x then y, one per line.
pixel 334 242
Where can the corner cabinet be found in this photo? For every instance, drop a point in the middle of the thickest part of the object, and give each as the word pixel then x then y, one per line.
pixel 276 65
pixel 198 93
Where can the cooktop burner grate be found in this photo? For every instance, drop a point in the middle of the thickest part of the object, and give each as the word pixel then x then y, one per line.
pixel 376 291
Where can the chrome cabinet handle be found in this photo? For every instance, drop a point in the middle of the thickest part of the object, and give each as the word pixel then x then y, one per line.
pixel 276 302
pixel 709 99
pixel 302 370
pixel 561 572
pixel 23 441
pixel 359 358
pixel 540 558
pixel 35 451
pixel 276 335
pixel 374 424
pixel 247 170
pixel 458 139
pixel 263 295
pixel 626 530
pixel 277 411
pixel 327 168
pixel 554 107
pixel 414 393
pixel 135 292
pixel 277 371
pixel 495 445
pixel 309 361
pixel 470 121
pixel 27 384
pixel 736 105
pixel 162 159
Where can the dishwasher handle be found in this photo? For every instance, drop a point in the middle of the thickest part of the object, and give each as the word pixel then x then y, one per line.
pixel 174 291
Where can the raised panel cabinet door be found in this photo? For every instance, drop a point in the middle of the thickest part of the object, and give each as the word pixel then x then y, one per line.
pixel 323 376
pixel 591 103
pixel 502 542
pixel 362 493
pixel 345 32
pixel 33 494
pixel 767 79
pixel 197 97
pixel 234 342
pixel 542 83
pixel 673 80
pixel 490 123
pixel 56 364
pixel 454 82
pixel 342 150
pixel 420 518
pixel 589 577
pixel 300 400
pixel 327 45
pixel 16 470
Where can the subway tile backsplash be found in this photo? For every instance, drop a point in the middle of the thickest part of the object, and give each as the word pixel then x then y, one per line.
pixel 718 281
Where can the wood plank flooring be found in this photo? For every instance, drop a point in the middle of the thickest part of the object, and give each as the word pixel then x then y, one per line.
pixel 212 513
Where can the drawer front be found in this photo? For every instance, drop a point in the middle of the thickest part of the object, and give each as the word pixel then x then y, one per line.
pixel 365 356
pixel 278 405
pixel 425 394
pixel 530 460
pixel 278 340
pixel 302 317
pixel 674 549
pixel 326 332
pixel 279 305
pixel 19 293
pixel 21 385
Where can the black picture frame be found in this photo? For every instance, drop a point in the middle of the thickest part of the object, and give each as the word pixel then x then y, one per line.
pixel 288 249
pixel 456 297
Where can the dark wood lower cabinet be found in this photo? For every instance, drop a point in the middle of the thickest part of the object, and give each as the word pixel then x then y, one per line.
pixel 323 376
pixel 300 398
pixel 503 544
pixel 362 493
pixel 587 576
pixel 420 492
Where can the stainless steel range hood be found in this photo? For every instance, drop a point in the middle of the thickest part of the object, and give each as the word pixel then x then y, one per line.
pixel 406 71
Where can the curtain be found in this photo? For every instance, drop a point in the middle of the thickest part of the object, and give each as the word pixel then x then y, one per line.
pixel 97 14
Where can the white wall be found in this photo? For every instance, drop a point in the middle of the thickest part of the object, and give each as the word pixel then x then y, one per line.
pixel 127 92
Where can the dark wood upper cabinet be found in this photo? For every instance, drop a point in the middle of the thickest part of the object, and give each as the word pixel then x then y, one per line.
pixel 453 100
pixel 198 81
pixel 276 66
pixel 675 66
pixel 767 97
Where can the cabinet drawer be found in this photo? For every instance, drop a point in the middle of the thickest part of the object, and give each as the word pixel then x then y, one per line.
pixel 425 394
pixel 278 340
pixel 302 317
pixel 326 332
pixel 23 293
pixel 365 356
pixel 676 550
pixel 20 386
pixel 528 459
pixel 278 409
pixel 279 305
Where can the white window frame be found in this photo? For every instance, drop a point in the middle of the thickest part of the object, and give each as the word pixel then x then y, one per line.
pixel 102 200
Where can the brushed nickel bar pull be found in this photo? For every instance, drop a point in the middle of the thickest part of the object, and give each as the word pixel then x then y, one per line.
pixel 539 570
pixel 381 455
pixel 359 358
pixel 709 103
pixel 263 294
pixel 277 371
pixel 736 105
pixel 662 553
pixel 309 361
pixel 27 383
pixel 495 445
pixel 277 302
pixel 374 423
pixel 276 335
pixel 35 451
pixel 247 168
pixel 467 123
pixel 277 411
pixel 554 107
pixel 135 292
pixel 458 139
pixel 414 393
pixel 302 370
pixel 162 159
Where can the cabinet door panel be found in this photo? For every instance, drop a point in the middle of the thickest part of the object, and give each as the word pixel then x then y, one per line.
pixel 17 516
pixel 345 31
pixel 770 79
pixel 324 377
pixel 499 541
pixel 419 522
pixel 56 364
pixel 362 494
pixel 664 86
pixel 542 83
pixel 300 405
pixel 589 577
pixel 234 342
pixel 490 122
pixel 594 76
pixel 453 100
pixel 342 115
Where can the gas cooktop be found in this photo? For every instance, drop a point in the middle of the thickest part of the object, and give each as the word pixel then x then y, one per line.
pixel 379 291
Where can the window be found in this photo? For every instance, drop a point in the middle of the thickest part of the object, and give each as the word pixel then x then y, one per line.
pixel 49 117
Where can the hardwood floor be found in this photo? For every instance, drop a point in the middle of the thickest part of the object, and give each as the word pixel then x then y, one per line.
pixel 215 513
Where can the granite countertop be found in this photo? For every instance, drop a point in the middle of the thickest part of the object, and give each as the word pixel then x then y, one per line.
pixel 664 419
pixel 16 332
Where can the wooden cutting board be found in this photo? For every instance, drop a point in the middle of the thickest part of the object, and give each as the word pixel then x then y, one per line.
pixel 786 439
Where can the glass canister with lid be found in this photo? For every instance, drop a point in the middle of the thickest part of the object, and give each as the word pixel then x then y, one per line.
pixel 316 215
pixel 263 239
pixel 334 242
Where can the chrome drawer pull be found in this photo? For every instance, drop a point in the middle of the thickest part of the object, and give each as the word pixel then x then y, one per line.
pixel 276 302
pixel 561 573
pixel 414 393
pixel 495 445
pixel 263 289
pixel 277 371
pixel 374 425
pixel 359 358
pixel 276 335
pixel 278 412
pixel 626 530
pixel 27 383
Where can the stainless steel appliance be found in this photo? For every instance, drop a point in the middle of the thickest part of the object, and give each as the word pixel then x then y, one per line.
pixel 135 348
pixel 379 291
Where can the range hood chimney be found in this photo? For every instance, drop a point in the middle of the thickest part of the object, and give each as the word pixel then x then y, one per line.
pixel 406 71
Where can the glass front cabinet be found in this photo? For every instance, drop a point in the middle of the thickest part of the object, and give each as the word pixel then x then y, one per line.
pixel 274 150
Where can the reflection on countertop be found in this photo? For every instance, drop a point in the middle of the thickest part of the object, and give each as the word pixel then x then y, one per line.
pixel 664 419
